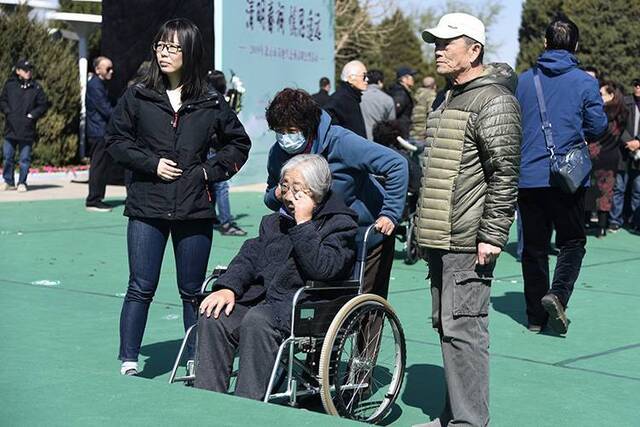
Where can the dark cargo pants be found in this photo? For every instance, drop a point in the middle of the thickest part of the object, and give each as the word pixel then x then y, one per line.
pixel 460 292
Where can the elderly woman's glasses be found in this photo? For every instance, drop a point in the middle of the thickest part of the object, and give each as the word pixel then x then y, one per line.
pixel 171 48
pixel 284 188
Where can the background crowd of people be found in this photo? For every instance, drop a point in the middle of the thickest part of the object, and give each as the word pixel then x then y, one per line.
pixel 469 155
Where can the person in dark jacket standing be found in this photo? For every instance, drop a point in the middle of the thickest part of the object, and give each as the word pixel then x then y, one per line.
pixel 403 99
pixel 311 238
pixel 605 156
pixel 22 102
pixel 322 96
pixel 629 167
pixel 575 110
pixel 344 104
pixel 466 206
pixel 161 130
pixel 99 110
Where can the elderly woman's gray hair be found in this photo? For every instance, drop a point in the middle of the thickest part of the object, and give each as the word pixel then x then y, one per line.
pixel 315 172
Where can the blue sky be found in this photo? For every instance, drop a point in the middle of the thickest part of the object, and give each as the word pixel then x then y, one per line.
pixel 504 32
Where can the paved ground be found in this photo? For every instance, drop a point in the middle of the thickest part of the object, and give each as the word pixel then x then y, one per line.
pixel 64 274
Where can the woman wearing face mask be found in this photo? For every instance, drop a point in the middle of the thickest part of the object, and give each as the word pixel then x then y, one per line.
pixel 302 127
pixel 162 130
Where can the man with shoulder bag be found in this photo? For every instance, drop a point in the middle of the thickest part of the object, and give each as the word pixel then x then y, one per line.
pixel 561 107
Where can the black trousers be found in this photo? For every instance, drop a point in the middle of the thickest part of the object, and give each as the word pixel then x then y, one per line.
pixel 543 210
pixel 100 160
pixel 253 333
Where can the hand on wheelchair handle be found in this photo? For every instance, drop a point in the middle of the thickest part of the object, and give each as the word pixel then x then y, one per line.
pixel 385 226
pixel 216 301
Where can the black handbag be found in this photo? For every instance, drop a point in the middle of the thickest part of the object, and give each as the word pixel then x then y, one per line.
pixel 567 171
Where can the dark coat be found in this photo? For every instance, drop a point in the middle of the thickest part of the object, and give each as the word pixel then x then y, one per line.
pixel 404 107
pixel 18 99
pixel 344 109
pixel 627 161
pixel 145 128
pixel 274 265
pixel 321 98
pixel 99 108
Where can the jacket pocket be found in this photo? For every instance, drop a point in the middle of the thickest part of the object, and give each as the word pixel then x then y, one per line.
pixel 471 293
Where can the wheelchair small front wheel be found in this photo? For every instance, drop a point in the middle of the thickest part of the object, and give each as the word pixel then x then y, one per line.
pixel 412 250
pixel 362 361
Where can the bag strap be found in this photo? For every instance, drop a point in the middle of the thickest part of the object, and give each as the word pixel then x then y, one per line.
pixel 546 125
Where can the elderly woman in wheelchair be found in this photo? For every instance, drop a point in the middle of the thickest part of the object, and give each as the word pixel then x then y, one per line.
pixel 249 310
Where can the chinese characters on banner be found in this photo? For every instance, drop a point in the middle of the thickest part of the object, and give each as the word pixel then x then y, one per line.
pixel 272 16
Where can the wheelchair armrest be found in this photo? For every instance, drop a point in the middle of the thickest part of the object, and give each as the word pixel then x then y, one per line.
pixel 338 284
pixel 217 272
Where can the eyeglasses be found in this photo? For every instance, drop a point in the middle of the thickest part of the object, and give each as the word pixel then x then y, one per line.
pixel 172 49
pixel 284 188
pixel 363 75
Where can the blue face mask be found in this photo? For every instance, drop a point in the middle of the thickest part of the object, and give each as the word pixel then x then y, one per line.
pixel 292 143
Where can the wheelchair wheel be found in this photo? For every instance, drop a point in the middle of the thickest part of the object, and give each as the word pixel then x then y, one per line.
pixel 411 248
pixel 362 360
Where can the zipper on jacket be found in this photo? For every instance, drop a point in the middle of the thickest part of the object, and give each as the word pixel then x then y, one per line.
pixel 174 122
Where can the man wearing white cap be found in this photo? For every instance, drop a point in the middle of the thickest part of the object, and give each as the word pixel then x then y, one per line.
pixel 466 206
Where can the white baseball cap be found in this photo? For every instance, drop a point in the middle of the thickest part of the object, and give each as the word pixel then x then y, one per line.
pixel 454 25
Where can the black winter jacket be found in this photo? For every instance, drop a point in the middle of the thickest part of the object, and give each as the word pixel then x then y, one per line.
pixel 18 99
pixel 273 266
pixel 344 109
pixel 404 107
pixel 144 128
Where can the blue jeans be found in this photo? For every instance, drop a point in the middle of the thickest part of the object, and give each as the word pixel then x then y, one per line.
pixel 8 152
pixel 616 215
pixel 146 242
pixel 222 201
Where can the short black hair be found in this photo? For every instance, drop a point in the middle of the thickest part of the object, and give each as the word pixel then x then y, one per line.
pixel 635 82
pixel 387 132
pixel 217 79
pixel 324 81
pixel 375 76
pixel 562 34
pixel 294 108
pixel 592 69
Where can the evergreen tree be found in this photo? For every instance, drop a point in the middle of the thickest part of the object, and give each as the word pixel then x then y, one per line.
pixel 607 37
pixel 401 47
pixel 56 70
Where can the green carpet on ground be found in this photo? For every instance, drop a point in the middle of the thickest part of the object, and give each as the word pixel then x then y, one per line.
pixel 64 274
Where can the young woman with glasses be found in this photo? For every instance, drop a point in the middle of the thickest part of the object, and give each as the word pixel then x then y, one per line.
pixel 162 130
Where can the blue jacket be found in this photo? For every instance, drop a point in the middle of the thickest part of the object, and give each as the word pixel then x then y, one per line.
pixel 99 108
pixel 353 160
pixel 574 107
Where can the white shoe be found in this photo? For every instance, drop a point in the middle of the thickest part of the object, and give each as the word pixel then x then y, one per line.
pixel 22 188
pixel 6 187
pixel 129 368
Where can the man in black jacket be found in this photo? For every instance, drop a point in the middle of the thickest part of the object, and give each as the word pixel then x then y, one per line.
pixel 344 104
pixel 22 102
pixel 401 94
pixel 322 96
pixel 99 111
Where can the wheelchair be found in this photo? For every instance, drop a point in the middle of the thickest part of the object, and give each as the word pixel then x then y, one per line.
pixel 345 346
pixel 407 231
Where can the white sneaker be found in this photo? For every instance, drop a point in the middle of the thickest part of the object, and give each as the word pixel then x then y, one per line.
pixel 6 187
pixel 22 188
pixel 129 368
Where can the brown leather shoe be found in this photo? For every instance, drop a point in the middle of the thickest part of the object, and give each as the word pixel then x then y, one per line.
pixel 557 318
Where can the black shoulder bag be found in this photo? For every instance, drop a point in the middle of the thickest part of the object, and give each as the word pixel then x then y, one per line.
pixel 567 171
